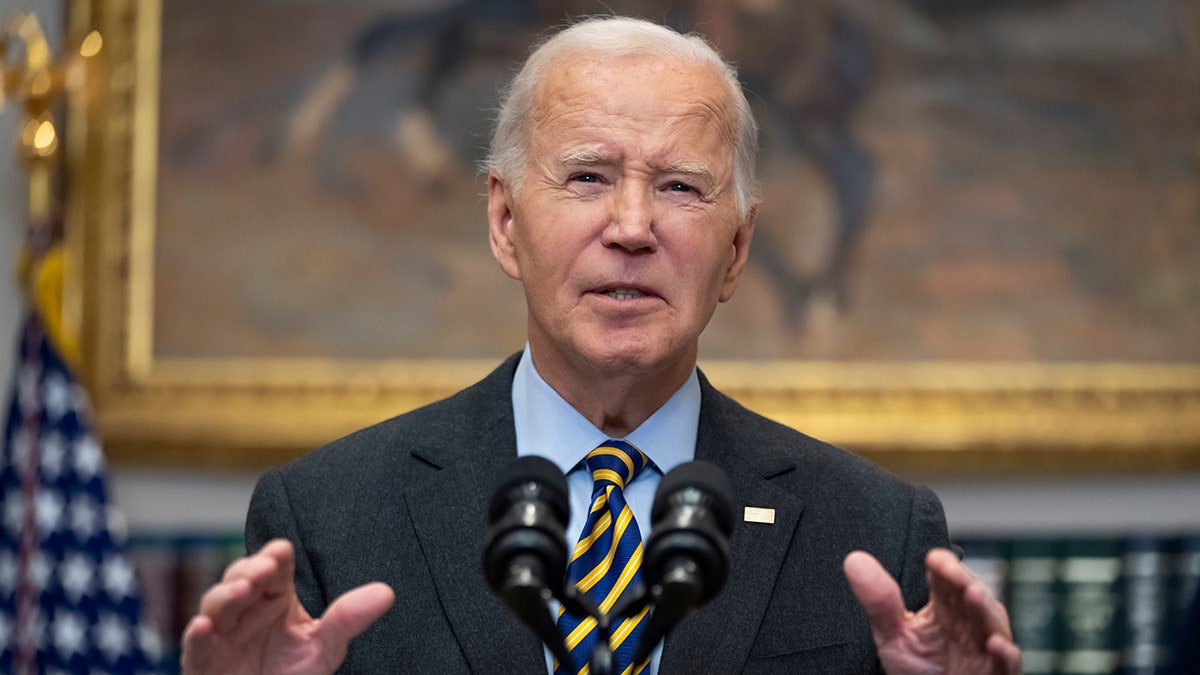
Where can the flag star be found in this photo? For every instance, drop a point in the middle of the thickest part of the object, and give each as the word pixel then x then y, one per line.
pixel 118 577
pixel 76 575
pixel 80 402
pixel 113 635
pixel 89 460
pixel 8 574
pixel 70 632
pixel 84 514
pixel 14 513
pixel 38 572
pixel 118 528
pixel 48 509
pixel 56 396
pixel 150 642
pixel 54 449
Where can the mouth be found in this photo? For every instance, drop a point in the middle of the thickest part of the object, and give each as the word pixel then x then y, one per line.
pixel 623 293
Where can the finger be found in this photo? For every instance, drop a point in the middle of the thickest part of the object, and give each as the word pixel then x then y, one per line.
pixel 276 556
pixel 1006 654
pixel 353 612
pixel 249 584
pixel 878 593
pixel 198 644
pixel 962 604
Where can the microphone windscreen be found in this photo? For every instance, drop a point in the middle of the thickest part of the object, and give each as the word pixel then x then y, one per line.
pixel 701 476
pixel 527 470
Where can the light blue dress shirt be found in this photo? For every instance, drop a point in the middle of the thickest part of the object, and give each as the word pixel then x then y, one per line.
pixel 548 426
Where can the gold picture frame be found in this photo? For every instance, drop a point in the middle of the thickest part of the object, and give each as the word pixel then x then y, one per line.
pixel 957 417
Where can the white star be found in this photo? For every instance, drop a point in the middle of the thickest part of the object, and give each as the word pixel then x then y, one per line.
pixel 70 631
pixel 14 514
pixel 76 575
pixel 56 396
pixel 79 401
pixel 54 449
pixel 38 572
pixel 118 577
pixel 150 642
pixel 89 460
pixel 8 574
pixel 112 636
pixel 118 528
pixel 48 509
pixel 84 514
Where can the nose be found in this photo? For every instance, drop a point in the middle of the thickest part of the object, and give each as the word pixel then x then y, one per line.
pixel 630 219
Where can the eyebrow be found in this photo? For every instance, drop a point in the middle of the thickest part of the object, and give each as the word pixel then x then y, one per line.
pixel 691 168
pixel 585 156
pixel 594 157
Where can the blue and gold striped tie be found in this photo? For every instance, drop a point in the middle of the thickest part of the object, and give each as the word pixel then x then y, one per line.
pixel 607 560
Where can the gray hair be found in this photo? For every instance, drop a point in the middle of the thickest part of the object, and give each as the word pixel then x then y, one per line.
pixel 618 36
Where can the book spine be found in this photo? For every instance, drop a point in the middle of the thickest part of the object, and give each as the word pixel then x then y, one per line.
pixel 1090 575
pixel 1145 579
pixel 1032 602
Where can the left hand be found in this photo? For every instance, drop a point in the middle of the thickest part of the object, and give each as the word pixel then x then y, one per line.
pixel 963 629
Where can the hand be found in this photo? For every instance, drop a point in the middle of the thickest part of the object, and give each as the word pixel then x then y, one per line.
pixel 963 629
pixel 252 622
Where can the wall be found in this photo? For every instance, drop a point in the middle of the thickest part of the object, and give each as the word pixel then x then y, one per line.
pixel 155 499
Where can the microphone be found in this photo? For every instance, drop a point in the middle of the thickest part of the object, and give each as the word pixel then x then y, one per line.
pixel 524 550
pixel 687 554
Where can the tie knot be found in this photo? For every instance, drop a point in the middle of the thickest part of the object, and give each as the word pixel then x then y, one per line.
pixel 616 462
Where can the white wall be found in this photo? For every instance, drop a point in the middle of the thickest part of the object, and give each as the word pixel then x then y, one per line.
pixel 156 499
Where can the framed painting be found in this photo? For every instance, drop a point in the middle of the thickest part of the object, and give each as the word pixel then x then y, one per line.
pixel 978 249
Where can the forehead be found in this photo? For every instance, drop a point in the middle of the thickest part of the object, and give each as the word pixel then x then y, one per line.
pixel 651 97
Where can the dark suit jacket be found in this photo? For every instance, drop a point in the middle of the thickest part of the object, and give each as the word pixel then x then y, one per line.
pixel 405 501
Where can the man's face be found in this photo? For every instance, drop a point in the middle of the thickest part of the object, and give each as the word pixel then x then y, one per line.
pixel 624 233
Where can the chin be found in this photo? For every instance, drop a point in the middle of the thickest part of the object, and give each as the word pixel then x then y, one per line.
pixel 629 355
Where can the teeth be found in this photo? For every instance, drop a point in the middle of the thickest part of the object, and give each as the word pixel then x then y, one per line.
pixel 623 294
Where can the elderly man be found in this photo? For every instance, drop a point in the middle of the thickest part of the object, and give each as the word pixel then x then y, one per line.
pixel 621 195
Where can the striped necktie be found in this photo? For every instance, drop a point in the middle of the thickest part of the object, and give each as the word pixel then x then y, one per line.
pixel 607 559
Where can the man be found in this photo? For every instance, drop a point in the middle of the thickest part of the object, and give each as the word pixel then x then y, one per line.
pixel 621 196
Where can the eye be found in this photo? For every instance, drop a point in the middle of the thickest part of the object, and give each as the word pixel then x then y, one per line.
pixel 586 178
pixel 676 186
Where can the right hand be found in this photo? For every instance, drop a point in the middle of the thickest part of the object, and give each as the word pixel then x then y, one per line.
pixel 251 621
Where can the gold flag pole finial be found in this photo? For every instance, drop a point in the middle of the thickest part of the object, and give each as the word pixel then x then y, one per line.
pixel 35 81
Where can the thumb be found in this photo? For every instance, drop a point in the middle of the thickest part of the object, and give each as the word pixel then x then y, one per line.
pixel 878 594
pixel 354 612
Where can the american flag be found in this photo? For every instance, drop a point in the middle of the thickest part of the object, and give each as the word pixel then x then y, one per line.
pixel 68 597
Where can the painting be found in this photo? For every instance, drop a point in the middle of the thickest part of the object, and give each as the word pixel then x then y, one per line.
pixel 977 247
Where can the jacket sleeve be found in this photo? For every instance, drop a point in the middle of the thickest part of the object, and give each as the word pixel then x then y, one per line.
pixel 926 530
pixel 271 516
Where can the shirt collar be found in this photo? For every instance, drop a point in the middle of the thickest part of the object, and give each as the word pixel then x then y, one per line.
pixel 547 425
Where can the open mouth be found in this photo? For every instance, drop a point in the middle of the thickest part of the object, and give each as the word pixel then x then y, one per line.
pixel 623 293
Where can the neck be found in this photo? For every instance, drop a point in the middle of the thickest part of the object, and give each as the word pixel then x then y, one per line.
pixel 614 401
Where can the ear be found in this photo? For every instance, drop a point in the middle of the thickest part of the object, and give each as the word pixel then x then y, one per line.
pixel 741 253
pixel 500 225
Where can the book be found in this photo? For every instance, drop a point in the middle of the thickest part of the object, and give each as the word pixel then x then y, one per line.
pixel 1148 639
pixel 1089 581
pixel 1033 603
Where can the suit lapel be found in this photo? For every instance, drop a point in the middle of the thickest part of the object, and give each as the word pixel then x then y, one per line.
pixel 718 637
pixel 449 514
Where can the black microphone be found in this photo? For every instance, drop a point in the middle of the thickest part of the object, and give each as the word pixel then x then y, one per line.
pixel 524 550
pixel 687 554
